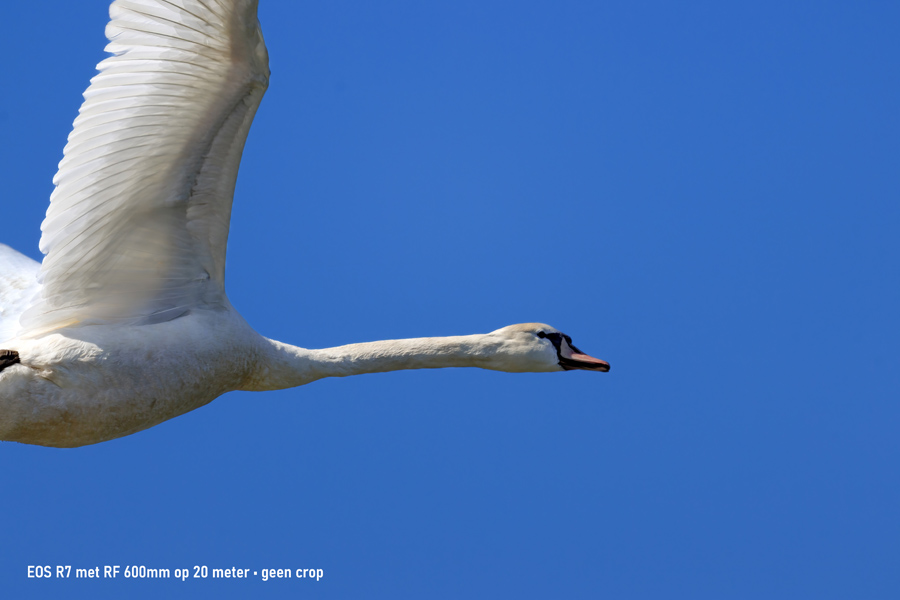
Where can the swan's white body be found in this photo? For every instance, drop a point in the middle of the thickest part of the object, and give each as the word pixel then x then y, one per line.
pixel 126 323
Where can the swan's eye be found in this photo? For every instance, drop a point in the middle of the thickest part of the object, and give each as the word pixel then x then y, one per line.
pixel 541 334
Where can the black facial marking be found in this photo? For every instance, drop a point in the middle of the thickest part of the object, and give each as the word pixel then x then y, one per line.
pixel 556 339
pixel 571 345
pixel 569 364
pixel 7 358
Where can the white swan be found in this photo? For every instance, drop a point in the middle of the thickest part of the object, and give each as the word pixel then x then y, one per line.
pixel 126 322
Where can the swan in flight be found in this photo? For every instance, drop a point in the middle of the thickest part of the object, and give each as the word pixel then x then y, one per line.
pixel 126 323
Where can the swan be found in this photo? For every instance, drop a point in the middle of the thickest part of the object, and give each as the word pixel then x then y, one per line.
pixel 126 322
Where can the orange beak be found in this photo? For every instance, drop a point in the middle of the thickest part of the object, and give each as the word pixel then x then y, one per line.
pixel 571 358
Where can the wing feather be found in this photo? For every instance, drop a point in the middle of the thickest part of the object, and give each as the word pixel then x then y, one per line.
pixel 18 287
pixel 138 223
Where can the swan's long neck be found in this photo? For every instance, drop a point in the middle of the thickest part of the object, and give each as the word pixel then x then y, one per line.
pixel 283 366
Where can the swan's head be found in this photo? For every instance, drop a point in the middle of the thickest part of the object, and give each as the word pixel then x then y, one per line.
pixel 535 347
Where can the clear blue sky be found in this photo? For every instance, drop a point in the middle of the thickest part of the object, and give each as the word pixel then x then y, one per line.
pixel 703 193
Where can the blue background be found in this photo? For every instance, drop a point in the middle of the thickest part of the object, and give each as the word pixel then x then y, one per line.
pixel 704 193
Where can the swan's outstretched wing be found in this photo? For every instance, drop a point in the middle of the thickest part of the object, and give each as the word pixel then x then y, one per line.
pixel 18 288
pixel 138 223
